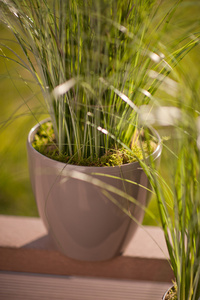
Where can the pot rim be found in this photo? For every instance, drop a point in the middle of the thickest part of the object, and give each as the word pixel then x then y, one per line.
pixel 155 154
pixel 165 294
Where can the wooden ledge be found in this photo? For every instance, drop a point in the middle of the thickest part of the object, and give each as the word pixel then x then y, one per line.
pixel 25 246
pixel 29 286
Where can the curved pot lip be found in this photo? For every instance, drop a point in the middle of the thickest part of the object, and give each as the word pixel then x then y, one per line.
pixel 165 294
pixel 33 130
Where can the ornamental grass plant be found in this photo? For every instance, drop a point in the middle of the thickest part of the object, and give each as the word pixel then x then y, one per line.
pixel 178 198
pixel 96 62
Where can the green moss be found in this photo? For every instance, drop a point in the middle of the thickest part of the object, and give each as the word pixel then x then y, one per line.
pixel 45 143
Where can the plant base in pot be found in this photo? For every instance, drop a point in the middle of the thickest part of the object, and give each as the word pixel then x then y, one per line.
pixel 73 204
pixel 171 294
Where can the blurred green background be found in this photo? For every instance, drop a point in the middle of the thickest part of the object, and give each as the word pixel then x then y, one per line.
pixel 21 106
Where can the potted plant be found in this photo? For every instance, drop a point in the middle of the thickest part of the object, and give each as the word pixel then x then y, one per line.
pixel 96 63
pixel 178 201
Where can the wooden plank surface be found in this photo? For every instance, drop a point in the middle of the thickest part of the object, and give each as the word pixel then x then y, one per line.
pixel 25 246
pixel 22 286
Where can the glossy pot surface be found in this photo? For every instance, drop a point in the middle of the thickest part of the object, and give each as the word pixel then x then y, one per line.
pixel 78 213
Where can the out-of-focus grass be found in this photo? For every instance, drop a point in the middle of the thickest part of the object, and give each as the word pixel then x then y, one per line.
pixel 186 19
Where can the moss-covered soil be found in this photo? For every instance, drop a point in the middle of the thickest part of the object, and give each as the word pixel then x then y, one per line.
pixel 45 143
pixel 172 294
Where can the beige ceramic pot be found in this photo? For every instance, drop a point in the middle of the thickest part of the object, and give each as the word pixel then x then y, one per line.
pixel 85 224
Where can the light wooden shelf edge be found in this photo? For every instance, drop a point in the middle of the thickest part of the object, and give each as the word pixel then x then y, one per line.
pixel 25 246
